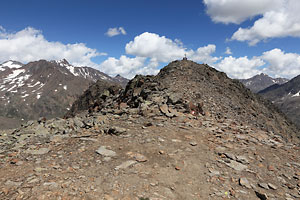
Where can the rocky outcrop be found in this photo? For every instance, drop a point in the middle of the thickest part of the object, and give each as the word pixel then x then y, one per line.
pixel 97 96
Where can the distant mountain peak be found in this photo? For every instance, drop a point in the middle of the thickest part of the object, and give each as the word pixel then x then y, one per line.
pixel 262 81
pixel 263 74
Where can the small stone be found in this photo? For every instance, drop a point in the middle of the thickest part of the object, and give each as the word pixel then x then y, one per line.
pixel 116 130
pixel 273 187
pixel 244 182
pixel 177 168
pixel 290 186
pixel 242 159
pixel 140 158
pixel 193 143
pixel 236 165
pixel 126 164
pixel 263 185
pixel 105 152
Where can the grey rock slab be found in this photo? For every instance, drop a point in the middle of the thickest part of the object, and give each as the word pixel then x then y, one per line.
pixel 213 172
pixel 12 183
pixel 242 159
pixel 40 151
pixel 230 156
pixel 272 186
pixel 236 165
pixel 164 108
pixel 105 152
pixel 244 182
pixel 263 185
pixel 126 164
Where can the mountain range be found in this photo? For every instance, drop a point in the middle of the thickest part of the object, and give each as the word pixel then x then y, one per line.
pixel 43 89
pixel 262 81
pixel 284 93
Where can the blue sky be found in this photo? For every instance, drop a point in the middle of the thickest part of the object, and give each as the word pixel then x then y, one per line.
pixel 259 35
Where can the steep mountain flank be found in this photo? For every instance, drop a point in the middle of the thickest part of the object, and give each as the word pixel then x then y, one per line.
pixel 286 97
pixel 42 89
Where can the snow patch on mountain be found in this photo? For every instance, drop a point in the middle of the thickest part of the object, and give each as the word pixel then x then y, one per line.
pixel 37 83
pixel 9 64
pixel 25 95
pixel 297 94
pixel 14 74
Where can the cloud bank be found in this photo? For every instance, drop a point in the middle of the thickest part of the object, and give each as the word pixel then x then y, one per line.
pixel 153 49
pixel 144 55
pixel 29 44
pixel 279 18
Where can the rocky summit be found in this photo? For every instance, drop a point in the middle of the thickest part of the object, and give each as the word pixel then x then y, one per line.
pixel 189 132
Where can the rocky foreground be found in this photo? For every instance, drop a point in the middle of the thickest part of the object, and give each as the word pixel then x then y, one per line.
pixel 155 140
pixel 127 156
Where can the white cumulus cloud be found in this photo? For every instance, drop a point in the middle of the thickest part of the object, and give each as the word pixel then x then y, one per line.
pixel 282 64
pixel 125 66
pixel 241 67
pixel 29 44
pixel 151 50
pixel 279 18
pixel 237 11
pixel 111 32
pixel 163 49
pixel 275 63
